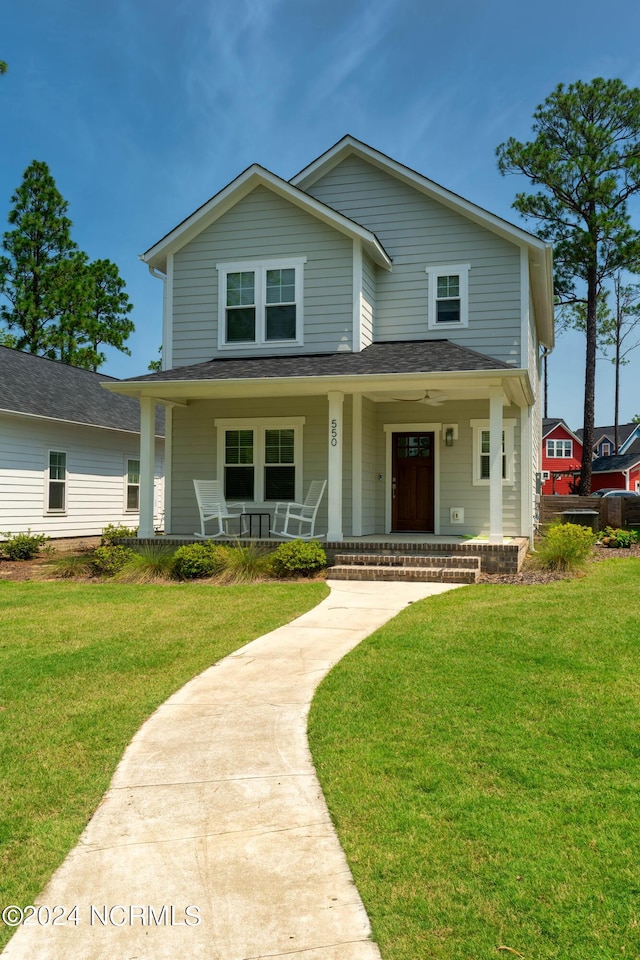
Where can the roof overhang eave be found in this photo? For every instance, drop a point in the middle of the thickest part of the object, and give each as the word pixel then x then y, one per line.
pixel 516 382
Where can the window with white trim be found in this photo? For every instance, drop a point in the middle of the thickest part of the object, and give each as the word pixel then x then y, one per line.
pixel 448 296
pixel 560 448
pixel 482 451
pixel 261 459
pixel 57 482
pixel 546 475
pixel 260 303
pixel 605 450
pixel 132 504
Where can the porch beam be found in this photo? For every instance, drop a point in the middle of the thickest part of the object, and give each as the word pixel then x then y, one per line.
pixel 147 464
pixel 496 400
pixel 334 485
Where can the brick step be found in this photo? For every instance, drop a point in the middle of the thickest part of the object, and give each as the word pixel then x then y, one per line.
pixel 366 571
pixel 408 560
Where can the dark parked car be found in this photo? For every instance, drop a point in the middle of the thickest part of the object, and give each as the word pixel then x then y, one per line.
pixel 613 492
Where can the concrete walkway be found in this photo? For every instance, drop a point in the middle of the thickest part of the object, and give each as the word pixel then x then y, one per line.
pixel 216 807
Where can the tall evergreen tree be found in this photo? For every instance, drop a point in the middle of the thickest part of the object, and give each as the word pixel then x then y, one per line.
pixel 60 305
pixel 35 248
pixel 586 159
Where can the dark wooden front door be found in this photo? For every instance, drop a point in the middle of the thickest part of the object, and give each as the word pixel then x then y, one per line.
pixel 412 482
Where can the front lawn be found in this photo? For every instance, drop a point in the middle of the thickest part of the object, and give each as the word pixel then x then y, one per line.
pixel 480 756
pixel 81 667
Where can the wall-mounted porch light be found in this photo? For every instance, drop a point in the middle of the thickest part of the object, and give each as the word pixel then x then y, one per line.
pixel 449 433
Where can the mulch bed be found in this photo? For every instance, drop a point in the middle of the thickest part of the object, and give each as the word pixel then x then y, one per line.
pixel 529 574
pixel 36 569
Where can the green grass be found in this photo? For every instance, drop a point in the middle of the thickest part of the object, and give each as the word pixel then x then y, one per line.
pixel 81 667
pixel 480 755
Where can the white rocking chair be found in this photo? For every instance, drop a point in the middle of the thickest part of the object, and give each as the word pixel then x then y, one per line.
pixel 213 506
pixel 299 513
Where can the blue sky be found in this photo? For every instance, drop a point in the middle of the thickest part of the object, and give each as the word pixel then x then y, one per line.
pixel 144 110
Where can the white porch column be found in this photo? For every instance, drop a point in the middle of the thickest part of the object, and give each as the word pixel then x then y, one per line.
pixel 147 462
pixel 496 397
pixel 334 485
pixel 356 464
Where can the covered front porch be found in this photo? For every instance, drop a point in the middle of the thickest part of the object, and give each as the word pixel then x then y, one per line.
pixel 442 454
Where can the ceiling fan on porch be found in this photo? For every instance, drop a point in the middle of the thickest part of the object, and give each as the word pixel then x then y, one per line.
pixel 433 397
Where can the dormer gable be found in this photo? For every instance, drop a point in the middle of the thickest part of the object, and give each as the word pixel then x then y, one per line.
pixel 253 177
pixel 539 253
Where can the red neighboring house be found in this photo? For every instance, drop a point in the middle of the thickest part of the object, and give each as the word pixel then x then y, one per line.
pixel 621 472
pixel 561 458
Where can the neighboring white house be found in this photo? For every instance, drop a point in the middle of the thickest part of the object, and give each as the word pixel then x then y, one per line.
pixel 69 450
pixel 358 323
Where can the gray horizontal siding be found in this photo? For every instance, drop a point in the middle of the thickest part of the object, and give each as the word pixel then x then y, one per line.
pixel 418 232
pixel 194 448
pixel 368 300
pixel 263 226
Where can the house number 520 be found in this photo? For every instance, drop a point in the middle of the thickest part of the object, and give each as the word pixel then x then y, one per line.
pixel 334 433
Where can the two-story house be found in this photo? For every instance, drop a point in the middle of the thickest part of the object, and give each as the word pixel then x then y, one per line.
pixel 561 457
pixel 360 324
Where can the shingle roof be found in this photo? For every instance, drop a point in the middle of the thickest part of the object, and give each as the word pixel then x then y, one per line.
pixel 614 463
pixel 624 432
pixel 415 356
pixel 48 388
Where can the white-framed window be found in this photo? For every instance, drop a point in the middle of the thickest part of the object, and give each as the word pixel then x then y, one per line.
pixel 260 459
pixel 605 450
pixel 546 475
pixel 56 486
pixel 260 302
pixel 448 296
pixel 481 451
pixel 560 448
pixel 132 492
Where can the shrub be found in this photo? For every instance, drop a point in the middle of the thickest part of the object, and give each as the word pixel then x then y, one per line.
pixel 113 532
pixel 617 537
pixel 21 546
pixel 109 560
pixel 566 546
pixel 299 557
pixel 72 566
pixel 245 564
pixel 196 560
pixel 147 563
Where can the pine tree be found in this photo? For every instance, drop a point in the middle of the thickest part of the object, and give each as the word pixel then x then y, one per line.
pixel 35 249
pixel 585 159
pixel 60 305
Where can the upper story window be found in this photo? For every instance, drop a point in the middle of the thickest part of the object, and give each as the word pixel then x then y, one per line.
pixel 448 296
pixel 260 302
pixel 605 449
pixel 57 482
pixel 560 448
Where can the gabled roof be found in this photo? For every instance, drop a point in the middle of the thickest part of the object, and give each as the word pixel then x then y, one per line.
pixel 625 430
pixel 37 387
pixel 540 252
pixel 256 176
pixel 550 423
